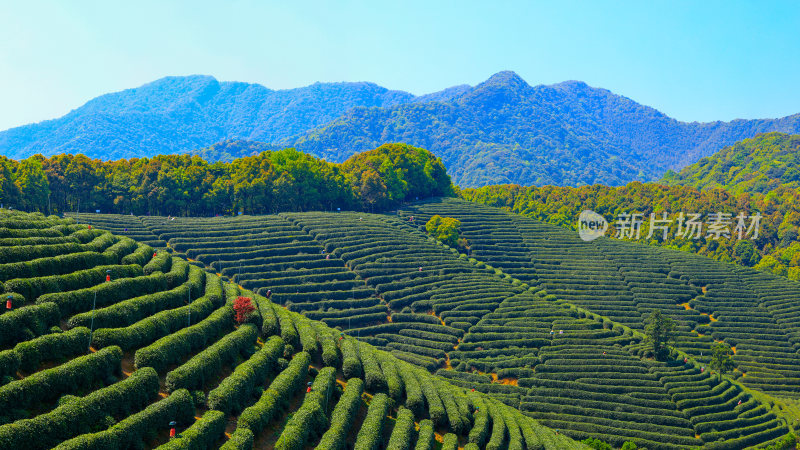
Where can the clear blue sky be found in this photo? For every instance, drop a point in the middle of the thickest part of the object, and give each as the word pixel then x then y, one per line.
pixel 694 60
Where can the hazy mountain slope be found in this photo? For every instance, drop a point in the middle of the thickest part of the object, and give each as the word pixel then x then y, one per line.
pixel 501 131
pixel 506 131
pixel 184 113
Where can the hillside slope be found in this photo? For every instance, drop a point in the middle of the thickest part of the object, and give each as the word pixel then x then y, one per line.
pixel 506 131
pixel 760 165
pixel 175 114
pixel 106 344
pixel 385 282
pixel 500 131
pixel 754 312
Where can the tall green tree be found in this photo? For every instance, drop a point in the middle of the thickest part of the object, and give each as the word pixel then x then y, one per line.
pixel 32 183
pixel 722 358
pixel 444 229
pixel 659 330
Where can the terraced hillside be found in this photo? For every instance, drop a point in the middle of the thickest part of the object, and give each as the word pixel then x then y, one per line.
pixel 757 313
pixel 104 343
pixel 543 353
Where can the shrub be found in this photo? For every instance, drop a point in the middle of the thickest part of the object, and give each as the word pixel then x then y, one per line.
pixel 241 439
pixel 425 439
pixel 403 431
pixel 78 416
pixel 27 322
pixel 133 430
pixel 173 348
pixel 161 263
pixel 233 392
pixel 49 384
pixel 373 375
pixel 277 396
pixel 311 417
pixel 51 346
pixel 202 435
pixel 209 363
pixel 343 416
pixel 156 326
pixel 243 306
pixel 370 435
pixel 351 362
pixel 451 442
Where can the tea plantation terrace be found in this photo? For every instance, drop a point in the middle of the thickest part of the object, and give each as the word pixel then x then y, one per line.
pixel 532 346
pixel 107 343
pixel 755 312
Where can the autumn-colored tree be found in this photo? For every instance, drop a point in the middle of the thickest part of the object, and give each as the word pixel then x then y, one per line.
pixel 243 307
pixel 445 229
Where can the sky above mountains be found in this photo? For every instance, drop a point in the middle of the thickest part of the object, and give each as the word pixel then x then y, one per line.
pixel 700 61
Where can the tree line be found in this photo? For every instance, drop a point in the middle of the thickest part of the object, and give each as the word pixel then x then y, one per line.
pixel 188 185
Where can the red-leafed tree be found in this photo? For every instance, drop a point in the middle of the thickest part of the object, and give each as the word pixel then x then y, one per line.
pixel 243 307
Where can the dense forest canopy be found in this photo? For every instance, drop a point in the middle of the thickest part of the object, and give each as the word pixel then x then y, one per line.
pixel 284 180
pixel 767 162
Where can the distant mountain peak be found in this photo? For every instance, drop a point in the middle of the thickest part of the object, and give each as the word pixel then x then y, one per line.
pixel 504 78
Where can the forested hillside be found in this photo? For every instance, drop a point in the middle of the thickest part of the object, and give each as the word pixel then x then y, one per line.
pixel 506 131
pixel 105 343
pixel 284 180
pixel 539 345
pixel 766 163
pixel 501 131
pixel 177 114
pixel 227 151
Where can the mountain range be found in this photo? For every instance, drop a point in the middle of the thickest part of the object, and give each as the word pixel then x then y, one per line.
pixel 500 131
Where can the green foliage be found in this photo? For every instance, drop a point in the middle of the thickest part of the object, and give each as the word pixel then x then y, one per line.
pixel 403 431
pixel 722 358
pixel 47 385
pixel 444 229
pixel 311 417
pixel 596 444
pixel 659 330
pixel 80 415
pixel 134 429
pixel 277 396
pixel 172 348
pixel 233 393
pixel 426 436
pixel 209 363
pixel 760 164
pixel 370 435
pixel 393 173
pixel 268 181
pixel 27 322
pixel 343 416
pixel 202 435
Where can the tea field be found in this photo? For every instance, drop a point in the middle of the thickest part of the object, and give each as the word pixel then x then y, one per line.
pixel 109 343
pixel 533 317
